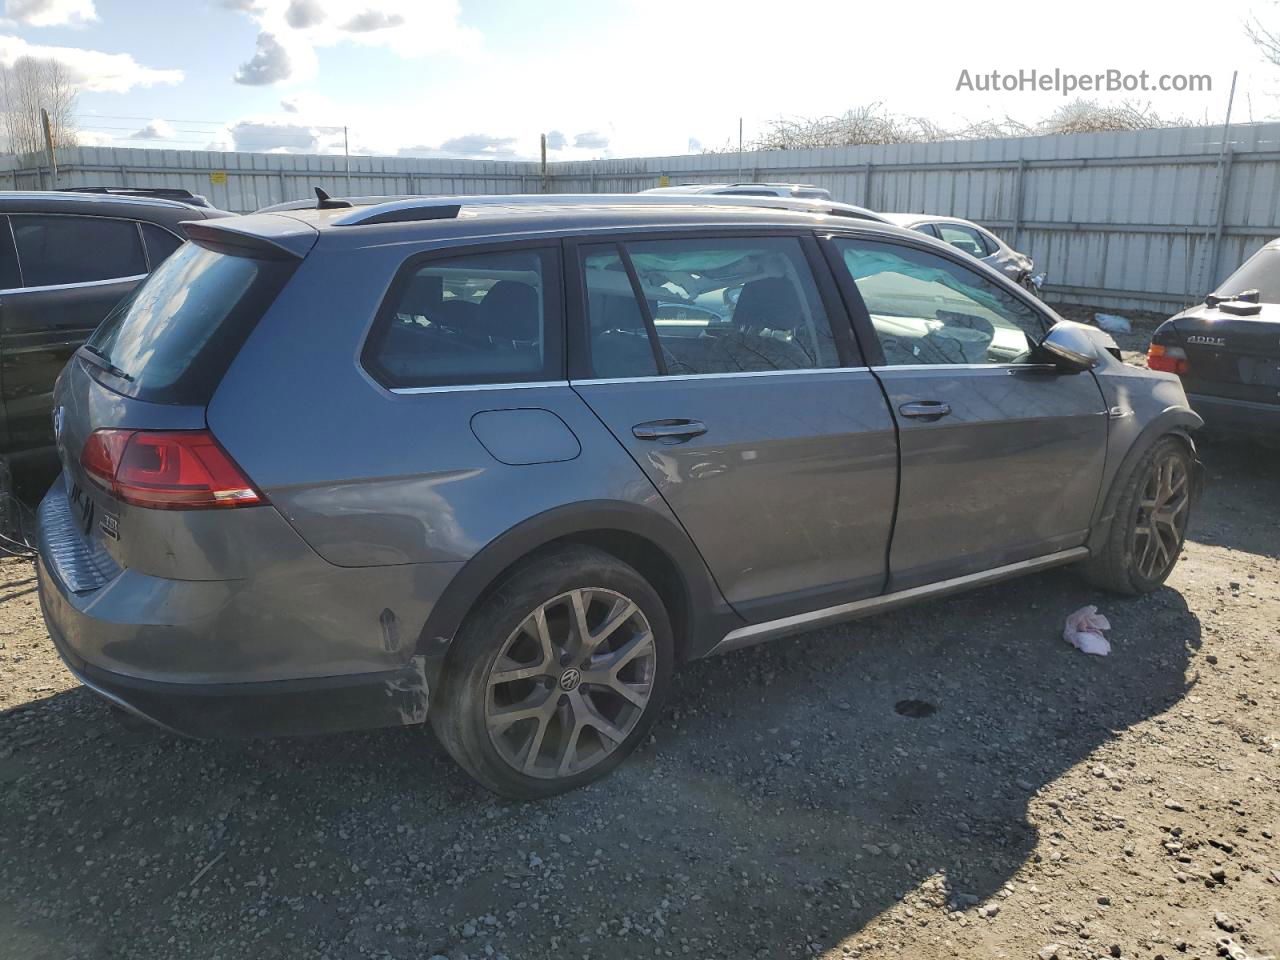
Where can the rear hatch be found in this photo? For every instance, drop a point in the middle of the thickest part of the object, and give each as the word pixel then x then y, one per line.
pixel 142 478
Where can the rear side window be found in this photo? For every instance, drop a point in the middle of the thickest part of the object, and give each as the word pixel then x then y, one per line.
pixel 724 305
pixel 476 318
pixel 962 238
pixel 55 250
pixel 160 243
pixel 172 339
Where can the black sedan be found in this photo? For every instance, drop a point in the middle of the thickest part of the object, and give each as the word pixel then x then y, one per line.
pixel 1227 350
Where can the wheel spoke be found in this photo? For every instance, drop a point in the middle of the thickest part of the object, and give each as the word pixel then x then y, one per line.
pixel 610 665
pixel 534 747
pixel 539 703
pixel 582 632
pixel 635 694
pixel 593 718
pixel 622 611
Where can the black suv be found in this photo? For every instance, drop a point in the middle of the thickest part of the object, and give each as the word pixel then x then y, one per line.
pixel 66 259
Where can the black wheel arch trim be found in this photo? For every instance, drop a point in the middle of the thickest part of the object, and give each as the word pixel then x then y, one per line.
pixel 1178 421
pixel 706 617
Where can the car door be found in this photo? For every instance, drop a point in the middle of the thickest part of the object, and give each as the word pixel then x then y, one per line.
pixel 1001 456
pixel 71 271
pixel 765 432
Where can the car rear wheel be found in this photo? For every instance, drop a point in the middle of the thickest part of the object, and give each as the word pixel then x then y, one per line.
pixel 1150 522
pixel 557 676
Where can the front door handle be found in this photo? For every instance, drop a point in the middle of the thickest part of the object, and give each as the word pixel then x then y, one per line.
pixel 928 410
pixel 669 431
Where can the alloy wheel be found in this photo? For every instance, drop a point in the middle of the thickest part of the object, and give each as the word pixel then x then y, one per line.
pixel 1162 517
pixel 570 683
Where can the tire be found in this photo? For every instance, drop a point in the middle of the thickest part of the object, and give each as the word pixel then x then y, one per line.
pixel 1138 555
pixel 529 707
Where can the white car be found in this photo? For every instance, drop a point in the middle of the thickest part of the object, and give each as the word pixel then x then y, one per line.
pixel 804 190
pixel 978 242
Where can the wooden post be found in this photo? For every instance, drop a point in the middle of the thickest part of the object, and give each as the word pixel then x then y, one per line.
pixel 544 163
pixel 48 146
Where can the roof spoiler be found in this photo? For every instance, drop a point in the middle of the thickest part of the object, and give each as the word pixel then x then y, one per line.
pixel 269 238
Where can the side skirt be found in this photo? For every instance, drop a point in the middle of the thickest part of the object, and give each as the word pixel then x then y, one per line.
pixel 759 632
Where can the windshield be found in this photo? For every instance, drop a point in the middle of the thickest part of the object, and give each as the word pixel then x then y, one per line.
pixel 1260 272
pixel 173 337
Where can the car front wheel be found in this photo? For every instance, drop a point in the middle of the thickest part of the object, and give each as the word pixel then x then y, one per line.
pixel 1150 522
pixel 557 676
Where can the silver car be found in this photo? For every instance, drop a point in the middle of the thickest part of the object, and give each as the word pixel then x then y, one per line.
pixel 504 467
pixel 976 241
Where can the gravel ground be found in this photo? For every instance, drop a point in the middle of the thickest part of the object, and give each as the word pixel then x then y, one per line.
pixel 1036 803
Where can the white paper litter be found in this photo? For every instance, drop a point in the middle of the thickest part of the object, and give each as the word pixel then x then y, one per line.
pixel 1084 631
pixel 1112 323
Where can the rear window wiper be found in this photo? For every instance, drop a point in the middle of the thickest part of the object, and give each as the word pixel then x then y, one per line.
pixel 101 360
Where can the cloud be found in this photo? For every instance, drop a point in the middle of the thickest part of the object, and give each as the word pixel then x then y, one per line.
pixel 297 28
pixel 591 140
pixel 94 71
pixel 369 20
pixel 471 146
pixel 304 13
pixel 556 140
pixel 695 145
pixel 270 64
pixel 269 136
pixel 50 13
pixel 155 130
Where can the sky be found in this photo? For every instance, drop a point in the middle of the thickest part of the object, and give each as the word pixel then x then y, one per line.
pixel 602 78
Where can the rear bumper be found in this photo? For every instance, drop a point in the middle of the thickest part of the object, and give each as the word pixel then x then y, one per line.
pixel 267 709
pixel 1239 417
pixel 310 648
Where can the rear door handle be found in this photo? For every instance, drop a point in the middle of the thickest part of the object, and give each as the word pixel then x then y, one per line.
pixel 669 431
pixel 925 410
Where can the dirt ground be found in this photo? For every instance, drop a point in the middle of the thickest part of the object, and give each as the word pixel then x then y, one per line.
pixel 1045 804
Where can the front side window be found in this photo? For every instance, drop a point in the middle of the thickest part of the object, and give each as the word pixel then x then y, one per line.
pixel 962 238
pixel 470 319
pixel 704 306
pixel 928 309
pixel 56 250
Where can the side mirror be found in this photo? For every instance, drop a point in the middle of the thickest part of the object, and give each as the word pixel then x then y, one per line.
pixel 1070 346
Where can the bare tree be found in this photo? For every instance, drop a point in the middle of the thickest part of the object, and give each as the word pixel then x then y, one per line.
pixel 872 124
pixel 1266 39
pixel 1090 116
pixel 26 87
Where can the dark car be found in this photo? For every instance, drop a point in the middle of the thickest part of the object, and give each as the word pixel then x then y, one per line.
pixel 496 466
pixel 1227 350
pixel 65 260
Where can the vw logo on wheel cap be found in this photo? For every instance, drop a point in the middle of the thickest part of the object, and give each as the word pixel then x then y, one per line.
pixel 570 679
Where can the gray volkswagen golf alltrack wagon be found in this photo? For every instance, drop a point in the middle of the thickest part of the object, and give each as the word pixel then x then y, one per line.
pixel 503 464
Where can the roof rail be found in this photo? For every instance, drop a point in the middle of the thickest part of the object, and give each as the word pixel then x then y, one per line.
pixel 400 211
pixel 166 193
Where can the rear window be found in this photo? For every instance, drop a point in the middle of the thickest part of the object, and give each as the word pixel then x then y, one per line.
pixel 1260 272
pixel 172 339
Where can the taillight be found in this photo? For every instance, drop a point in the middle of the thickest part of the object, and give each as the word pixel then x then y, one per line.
pixel 1167 359
pixel 170 470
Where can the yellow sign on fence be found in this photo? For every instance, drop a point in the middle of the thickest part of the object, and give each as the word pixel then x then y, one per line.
pixel 218 177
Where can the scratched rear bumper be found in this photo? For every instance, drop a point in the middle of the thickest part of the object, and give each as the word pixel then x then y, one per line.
pixel 261 709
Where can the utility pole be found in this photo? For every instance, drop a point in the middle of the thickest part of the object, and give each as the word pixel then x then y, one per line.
pixel 48 146
pixel 346 152
pixel 739 149
pixel 544 163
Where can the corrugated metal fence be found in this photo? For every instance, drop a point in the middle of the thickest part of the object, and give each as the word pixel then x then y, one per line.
pixel 1144 220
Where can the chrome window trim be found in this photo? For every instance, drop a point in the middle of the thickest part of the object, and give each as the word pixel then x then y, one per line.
pixel 722 376
pixel 73 286
pixel 888 367
pixel 469 387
